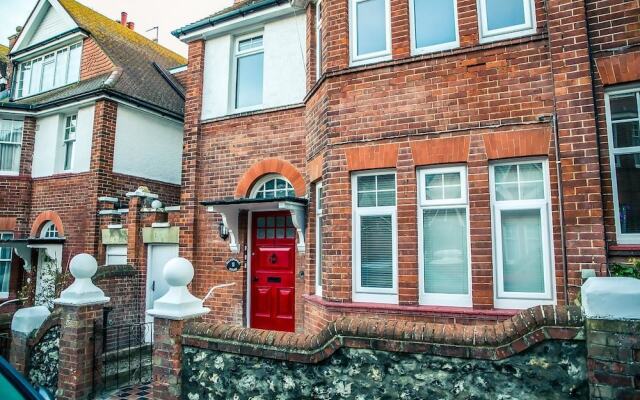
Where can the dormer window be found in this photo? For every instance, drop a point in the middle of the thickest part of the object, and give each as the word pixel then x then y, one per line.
pixel 49 71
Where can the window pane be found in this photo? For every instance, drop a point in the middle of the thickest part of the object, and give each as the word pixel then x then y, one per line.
pixel 366 183
pixel 506 173
pixel 445 251
pixel 626 134
pixel 623 107
pixel 386 198
pixel 507 191
pixel 251 43
pixel 74 64
pixel 532 191
pixel 61 67
pixel 628 182
pixel 522 257
pixel 36 76
pixel 434 22
pixel 319 252
pixel 367 199
pixel 376 252
pixel 386 182
pixel 68 155
pixel 530 172
pixel 48 71
pixel 504 13
pixel 371 26
pixel 249 81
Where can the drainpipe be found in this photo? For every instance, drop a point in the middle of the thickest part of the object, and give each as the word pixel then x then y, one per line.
pixel 565 264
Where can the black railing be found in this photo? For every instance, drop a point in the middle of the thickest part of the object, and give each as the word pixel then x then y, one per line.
pixel 123 356
pixel 5 345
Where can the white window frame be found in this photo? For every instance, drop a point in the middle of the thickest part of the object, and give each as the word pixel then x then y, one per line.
pixel 237 54
pixel 527 28
pixel 621 238
pixel 415 50
pixel 368 58
pixel 49 231
pixel 443 299
pixel 69 142
pixel 16 168
pixel 7 235
pixel 115 251
pixel 261 182
pixel 319 12
pixel 373 295
pixel 20 83
pixel 319 215
pixel 520 300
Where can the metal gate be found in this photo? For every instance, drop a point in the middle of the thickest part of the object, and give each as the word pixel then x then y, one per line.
pixel 123 355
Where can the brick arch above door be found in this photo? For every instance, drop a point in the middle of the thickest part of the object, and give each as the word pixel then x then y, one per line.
pixel 45 217
pixel 271 166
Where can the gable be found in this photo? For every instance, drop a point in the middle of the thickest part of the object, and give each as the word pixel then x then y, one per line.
pixel 51 24
pixel 47 20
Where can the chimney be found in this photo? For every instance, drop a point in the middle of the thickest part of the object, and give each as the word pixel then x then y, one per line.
pixel 131 25
pixel 12 41
pixel 123 18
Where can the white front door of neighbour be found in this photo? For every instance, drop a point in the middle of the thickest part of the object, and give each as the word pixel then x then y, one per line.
pixel 157 257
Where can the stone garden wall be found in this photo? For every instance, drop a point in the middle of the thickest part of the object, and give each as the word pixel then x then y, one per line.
pixel 537 354
pixel 42 367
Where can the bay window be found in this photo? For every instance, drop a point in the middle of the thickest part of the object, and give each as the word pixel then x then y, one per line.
pixel 370 31
pixel 249 71
pixel 522 242
pixel 319 240
pixel 50 71
pixel 623 123
pixel 504 19
pixel 10 146
pixel 375 237
pixel 443 237
pixel 434 25
pixel 5 265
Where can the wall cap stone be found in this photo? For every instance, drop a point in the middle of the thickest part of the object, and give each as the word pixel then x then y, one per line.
pixel 26 320
pixel 82 291
pixel 488 341
pixel 616 298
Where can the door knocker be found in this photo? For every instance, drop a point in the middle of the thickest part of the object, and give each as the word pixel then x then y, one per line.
pixel 273 258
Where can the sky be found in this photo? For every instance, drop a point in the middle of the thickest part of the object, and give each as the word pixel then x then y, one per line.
pixel 144 13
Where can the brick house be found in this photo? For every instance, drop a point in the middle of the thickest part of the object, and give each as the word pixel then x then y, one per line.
pixel 94 113
pixel 400 159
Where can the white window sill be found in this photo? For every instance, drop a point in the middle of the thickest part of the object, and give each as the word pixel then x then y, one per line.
pixel 490 38
pixel 520 303
pixel 446 300
pixel 418 51
pixel 375 298
pixel 9 173
pixel 370 60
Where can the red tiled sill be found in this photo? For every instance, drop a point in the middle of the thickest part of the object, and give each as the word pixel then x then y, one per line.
pixel 426 310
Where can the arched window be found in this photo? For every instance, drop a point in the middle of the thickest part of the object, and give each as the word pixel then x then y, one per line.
pixel 49 231
pixel 271 187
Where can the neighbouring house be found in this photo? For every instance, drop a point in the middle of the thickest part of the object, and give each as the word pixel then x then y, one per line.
pixel 4 51
pixel 404 159
pixel 94 112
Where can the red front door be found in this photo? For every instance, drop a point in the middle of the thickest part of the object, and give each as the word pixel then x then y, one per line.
pixel 273 271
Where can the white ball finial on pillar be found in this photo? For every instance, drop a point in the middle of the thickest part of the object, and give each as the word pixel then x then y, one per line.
pixel 178 303
pixel 82 291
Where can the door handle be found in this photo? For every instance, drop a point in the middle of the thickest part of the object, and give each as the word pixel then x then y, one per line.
pixel 256 279
pixel 153 286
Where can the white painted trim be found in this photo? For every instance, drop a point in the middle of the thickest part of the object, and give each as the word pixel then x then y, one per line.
pixel 621 238
pixel 354 57
pixel 441 299
pixel 68 40
pixel 318 248
pixel 248 266
pixel 503 299
pixel 178 69
pixel 528 28
pixel 439 47
pixel 264 179
pixel 318 26
pixel 373 295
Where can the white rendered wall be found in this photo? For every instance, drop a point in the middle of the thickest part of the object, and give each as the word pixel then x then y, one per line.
pixel 147 146
pixel 284 67
pixel 48 152
pixel 52 24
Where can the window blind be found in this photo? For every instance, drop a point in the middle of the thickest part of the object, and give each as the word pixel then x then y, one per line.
pixel 376 251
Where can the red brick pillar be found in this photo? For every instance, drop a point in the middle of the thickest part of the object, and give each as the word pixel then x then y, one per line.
pixel 167 359
pixel 19 354
pixel 76 364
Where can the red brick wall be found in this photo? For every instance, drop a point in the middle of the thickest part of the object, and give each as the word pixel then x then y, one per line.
pixel 94 61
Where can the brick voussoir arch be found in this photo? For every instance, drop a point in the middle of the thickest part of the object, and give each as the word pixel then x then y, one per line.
pixel 488 341
pixel 45 217
pixel 271 166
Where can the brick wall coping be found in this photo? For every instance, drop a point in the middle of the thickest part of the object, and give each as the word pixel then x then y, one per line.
pixel 63 175
pixel 112 271
pixel 489 341
pixel 150 180
pixel 439 311
pixel 21 177
pixel 252 113
pixel 52 320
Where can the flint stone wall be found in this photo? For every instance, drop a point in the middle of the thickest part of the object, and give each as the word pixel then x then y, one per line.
pixel 43 360
pixel 554 369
